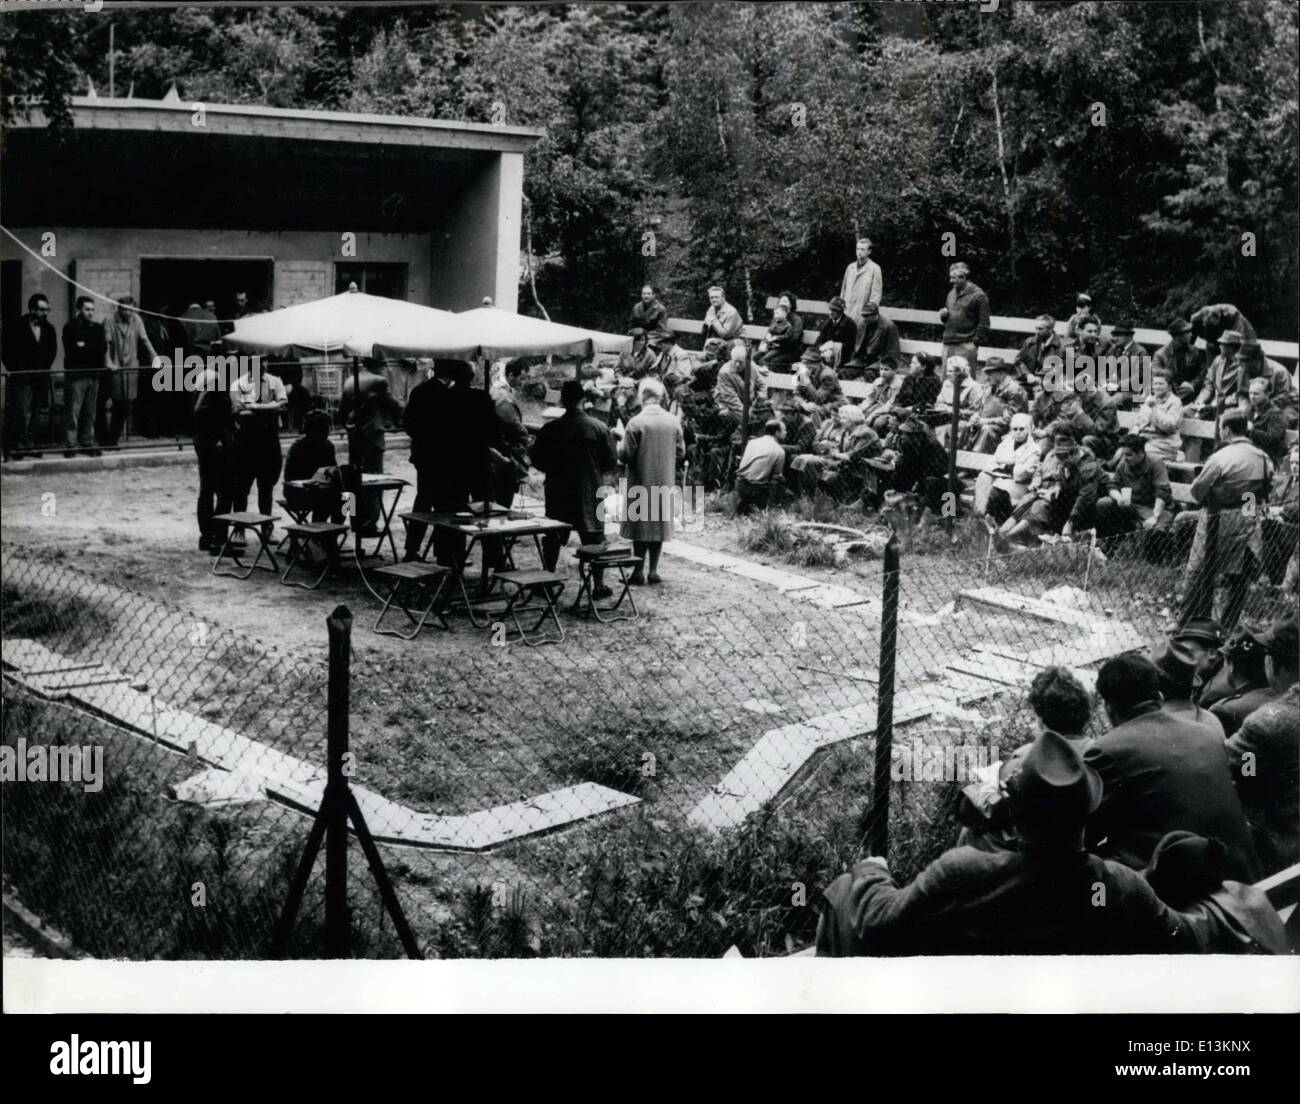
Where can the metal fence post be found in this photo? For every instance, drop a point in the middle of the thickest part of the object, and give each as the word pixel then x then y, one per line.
pixel 877 834
pixel 336 785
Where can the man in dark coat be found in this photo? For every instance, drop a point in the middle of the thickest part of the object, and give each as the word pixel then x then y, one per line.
pixel 30 346
pixel 1160 773
pixel 367 420
pixel 1044 343
pixel 1182 359
pixel 214 446
pixel 574 451
pixel 879 338
pixel 1040 899
pixel 452 426
pixel 650 315
pixel 85 355
pixel 842 329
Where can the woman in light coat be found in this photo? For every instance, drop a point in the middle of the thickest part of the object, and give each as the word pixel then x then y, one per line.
pixel 652 447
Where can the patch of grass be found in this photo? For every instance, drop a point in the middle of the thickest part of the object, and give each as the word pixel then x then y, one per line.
pixel 26 611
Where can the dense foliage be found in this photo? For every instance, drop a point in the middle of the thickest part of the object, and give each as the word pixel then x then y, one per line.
pixel 1120 147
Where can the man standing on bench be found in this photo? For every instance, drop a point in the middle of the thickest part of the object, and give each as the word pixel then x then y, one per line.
pixel 574 452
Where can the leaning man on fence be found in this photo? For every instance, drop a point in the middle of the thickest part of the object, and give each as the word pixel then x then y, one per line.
pixel 1042 899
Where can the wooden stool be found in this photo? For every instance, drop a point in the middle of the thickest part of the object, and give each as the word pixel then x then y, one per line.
pixel 419 577
pixel 301 536
pixel 524 585
pixel 240 522
pixel 605 556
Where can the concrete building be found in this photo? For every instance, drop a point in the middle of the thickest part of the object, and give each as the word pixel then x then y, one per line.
pixel 177 203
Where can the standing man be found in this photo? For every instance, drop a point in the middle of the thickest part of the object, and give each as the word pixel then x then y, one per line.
pixel 722 319
pixel 965 316
pixel 574 452
pixel 652 447
pixel 85 355
pixel 1232 491
pixel 510 457
pixel 125 335
pixel 650 315
pixel 366 419
pixel 862 284
pixel 214 445
pixel 258 399
pixel 30 346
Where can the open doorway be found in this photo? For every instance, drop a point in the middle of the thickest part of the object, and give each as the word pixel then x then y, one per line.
pixel 170 284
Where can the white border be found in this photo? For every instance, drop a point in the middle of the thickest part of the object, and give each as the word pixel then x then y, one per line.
pixel 1133 984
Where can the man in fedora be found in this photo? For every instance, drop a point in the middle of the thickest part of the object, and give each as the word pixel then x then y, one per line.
pixel 1160 773
pixel 1040 899
pixel 1001 399
pixel 1219 390
pixel 816 383
pixel 843 331
pixel 1241 668
pixel 1182 359
pixel 877 338
pixel 1203 637
pixel 1178 685
pixel 1256 688
pixel 1265 752
pixel 1255 365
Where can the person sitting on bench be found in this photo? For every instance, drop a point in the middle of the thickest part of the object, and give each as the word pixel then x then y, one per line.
pixel 308 455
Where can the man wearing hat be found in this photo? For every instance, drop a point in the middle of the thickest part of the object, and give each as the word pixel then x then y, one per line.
pixel 1179 682
pixel 1040 899
pixel 1255 365
pixel 843 331
pixel 1248 661
pixel 1126 384
pixel 1001 398
pixel 1122 343
pixel 1241 667
pixel 878 337
pixel 1182 359
pixel 1203 638
pixel 1160 773
pixel 1265 753
pixel 1062 494
pixel 1210 321
pixel 816 383
pixel 1232 490
pixel 1219 391
pixel 1044 343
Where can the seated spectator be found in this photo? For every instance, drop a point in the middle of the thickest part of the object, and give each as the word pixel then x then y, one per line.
pixel 912 462
pixel 1054 409
pixel 1265 753
pixel 1001 398
pixel 641 361
pixel 1086 338
pixel 1253 364
pixel 1181 361
pixel 1124 344
pixel 817 384
pixel 1104 436
pixel 1176 666
pixel 1060 704
pixel 1045 342
pixel 837 462
pixel 674 367
pixel 1158 420
pixel 308 456
pixel 714 355
pixel 998 489
pixel 761 467
pixel 1160 773
pixel 1222 382
pixel 920 387
pixel 1280 545
pixel 781 345
pixel 1189 874
pixel 1135 491
pixel 1247 677
pixel 1266 422
pixel 842 331
pixel 970 394
pixel 878 338
pixel 721 320
pixel 1226 677
pixel 1203 637
pixel 1082 311
pixel 650 315
pixel 882 395
pixel 1036 900
pixel 1062 495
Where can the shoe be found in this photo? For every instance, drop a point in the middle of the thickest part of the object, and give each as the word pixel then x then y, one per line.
pixel 214 550
pixel 204 543
pixel 637 578
pixel 653 578
pixel 601 592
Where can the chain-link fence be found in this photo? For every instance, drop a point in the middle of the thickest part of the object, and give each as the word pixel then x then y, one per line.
pixel 678 785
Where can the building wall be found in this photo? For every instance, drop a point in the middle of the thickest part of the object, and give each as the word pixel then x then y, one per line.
pixel 106 259
pixel 474 245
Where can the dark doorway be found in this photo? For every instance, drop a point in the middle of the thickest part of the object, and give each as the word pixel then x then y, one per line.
pixel 11 291
pixel 387 279
pixel 170 285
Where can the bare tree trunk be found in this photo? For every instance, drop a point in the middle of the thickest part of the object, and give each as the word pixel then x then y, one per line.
pixel 528 251
pixel 749 295
pixel 1006 183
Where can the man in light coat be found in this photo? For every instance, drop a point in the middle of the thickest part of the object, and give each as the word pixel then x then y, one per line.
pixel 652 447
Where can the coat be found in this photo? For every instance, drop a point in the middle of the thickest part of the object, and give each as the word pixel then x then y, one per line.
pixel 878 341
pixel 85 348
pixel 1270 792
pixel 844 333
pixel 861 286
pixel 1236 470
pixel 574 451
pixel 652 447
pixel 970 901
pixel 1159 774
pixel 25 351
pixel 967 322
pixel 651 317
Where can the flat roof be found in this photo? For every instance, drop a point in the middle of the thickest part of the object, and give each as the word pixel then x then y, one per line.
pixel 254 120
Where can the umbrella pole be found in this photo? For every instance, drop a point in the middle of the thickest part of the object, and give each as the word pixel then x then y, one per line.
pixel 487 460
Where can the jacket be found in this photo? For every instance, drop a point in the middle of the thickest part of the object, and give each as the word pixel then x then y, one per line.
pixel 574 452
pixel 85 348
pixel 968 316
pixel 1160 774
pixel 24 351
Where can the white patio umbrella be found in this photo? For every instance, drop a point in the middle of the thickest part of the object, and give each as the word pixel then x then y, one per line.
pixel 489 333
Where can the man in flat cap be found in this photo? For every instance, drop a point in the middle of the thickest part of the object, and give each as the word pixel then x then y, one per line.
pixel 877 337
pixel 842 331
pixel 1219 391
pixel 1182 359
pixel 1039 899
